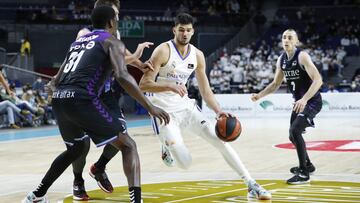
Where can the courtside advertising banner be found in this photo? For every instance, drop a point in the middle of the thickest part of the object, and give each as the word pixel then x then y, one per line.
pixel 237 104
pixel 280 105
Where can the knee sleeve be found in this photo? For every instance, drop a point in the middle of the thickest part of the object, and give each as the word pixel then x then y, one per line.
pixel 298 126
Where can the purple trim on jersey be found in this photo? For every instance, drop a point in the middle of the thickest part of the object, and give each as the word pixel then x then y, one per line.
pixel 102 35
pixel 95 99
pixel 179 52
pixel 107 141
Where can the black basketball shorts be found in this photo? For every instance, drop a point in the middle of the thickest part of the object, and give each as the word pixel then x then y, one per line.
pixel 77 117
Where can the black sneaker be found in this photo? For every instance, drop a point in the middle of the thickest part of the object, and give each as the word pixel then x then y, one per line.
pixel 79 192
pixel 295 170
pixel 101 179
pixel 301 178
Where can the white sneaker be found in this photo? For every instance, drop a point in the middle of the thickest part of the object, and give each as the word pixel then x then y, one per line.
pixel 255 191
pixel 166 157
pixel 31 198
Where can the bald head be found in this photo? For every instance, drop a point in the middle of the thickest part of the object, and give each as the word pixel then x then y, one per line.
pixel 289 40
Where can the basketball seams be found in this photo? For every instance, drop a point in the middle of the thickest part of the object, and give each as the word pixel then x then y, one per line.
pixel 228 128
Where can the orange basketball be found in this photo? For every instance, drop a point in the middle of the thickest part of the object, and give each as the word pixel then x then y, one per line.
pixel 228 128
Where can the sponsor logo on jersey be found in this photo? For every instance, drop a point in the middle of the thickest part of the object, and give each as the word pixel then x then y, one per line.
pixel 63 94
pixel 190 66
pixel 292 73
pixel 176 76
pixel 294 63
pixel 89 45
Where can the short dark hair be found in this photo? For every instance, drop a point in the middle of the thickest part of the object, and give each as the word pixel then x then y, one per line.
pixel 184 19
pixel 107 2
pixel 102 15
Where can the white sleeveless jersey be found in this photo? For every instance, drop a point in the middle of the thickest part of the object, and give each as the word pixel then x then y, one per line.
pixel 176 71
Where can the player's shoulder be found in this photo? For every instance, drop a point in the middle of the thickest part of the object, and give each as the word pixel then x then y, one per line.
pixel 303 55
pixel 83 32
pixel 198 52
pixel 163 49
pixel 114 42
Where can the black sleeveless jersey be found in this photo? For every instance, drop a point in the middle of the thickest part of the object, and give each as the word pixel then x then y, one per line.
pixel 86 68
pixel 297 79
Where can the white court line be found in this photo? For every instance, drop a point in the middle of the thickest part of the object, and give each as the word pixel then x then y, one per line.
pixel 213 194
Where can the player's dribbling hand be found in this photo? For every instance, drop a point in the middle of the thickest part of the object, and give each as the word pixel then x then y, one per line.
pixel 254 97
pixel 179 89
pixel 160 114
pixel 299 105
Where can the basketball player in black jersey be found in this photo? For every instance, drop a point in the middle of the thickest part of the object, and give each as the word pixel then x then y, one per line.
pixel 78 108
pixel 304 81
pixel 110 97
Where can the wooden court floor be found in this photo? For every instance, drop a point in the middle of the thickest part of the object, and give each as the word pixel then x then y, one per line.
pixel 24 162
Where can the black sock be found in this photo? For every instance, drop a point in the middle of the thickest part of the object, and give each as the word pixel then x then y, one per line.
pixel 41 189
pixel 135 194
pixel 78 177
pixel 101 163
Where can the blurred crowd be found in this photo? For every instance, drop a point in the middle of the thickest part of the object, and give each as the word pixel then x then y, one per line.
pixel 29 106
pixel 251 67
pixel 163 11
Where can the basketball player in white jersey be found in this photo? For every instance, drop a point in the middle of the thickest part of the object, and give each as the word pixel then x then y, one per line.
pixel 173 62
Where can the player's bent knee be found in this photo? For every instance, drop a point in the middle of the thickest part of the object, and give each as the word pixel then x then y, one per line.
pixel 76 150
pixel 295 131
pixel 124 141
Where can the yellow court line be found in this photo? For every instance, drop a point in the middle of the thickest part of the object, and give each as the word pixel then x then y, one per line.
pixel 209 195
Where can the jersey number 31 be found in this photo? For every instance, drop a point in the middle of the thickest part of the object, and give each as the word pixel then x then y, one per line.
pixel 73 61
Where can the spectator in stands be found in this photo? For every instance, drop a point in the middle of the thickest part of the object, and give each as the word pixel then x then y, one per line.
pixel 237 78
pixel 215 77
pixel 345 41
pixel 355 84
pixel 48 117
pixel 235 6
pixel 25 47
pixel 354 40
pixel 332 89
pixel 38 85
pixel 8 108
pixel 29 97
pixel 325 67
pixel 168 13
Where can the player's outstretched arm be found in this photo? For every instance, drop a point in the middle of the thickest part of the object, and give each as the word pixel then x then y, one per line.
pixel 273 86
pixel 204 87
pixel 117 58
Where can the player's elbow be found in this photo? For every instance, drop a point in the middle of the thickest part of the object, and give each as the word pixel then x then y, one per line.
pixel 144 85
pixel 121 75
